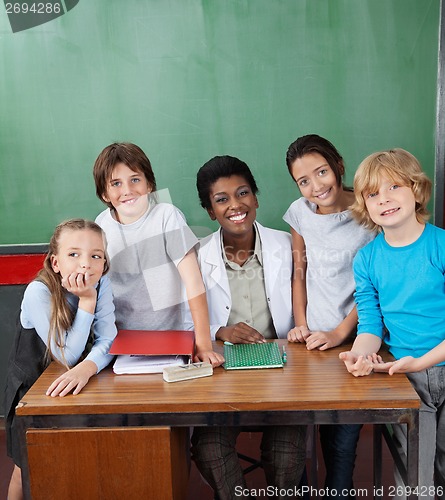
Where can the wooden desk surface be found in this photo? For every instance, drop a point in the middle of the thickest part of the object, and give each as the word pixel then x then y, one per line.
pixel 310 380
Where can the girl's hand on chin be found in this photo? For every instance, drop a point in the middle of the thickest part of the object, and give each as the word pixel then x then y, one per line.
pixel 80 284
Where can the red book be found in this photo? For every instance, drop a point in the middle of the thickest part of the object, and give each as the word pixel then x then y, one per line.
pixel 154 342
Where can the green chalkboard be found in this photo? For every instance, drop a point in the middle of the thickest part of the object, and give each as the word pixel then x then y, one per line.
pixel 190 79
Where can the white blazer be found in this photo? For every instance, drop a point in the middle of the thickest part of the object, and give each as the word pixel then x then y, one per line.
pixel 276 249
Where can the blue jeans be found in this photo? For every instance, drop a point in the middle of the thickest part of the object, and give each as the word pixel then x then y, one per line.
pixel 339 445
pixel 430 386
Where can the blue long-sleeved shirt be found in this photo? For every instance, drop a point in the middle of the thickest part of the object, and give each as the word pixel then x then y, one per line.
pixel 402 289
pixel 36 313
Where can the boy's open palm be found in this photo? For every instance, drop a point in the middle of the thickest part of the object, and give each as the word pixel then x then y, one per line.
pixel 357 365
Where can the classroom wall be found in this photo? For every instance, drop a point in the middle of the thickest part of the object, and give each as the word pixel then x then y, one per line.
pixel 189 79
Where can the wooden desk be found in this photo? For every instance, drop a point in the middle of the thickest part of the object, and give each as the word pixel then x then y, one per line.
pixel 312 388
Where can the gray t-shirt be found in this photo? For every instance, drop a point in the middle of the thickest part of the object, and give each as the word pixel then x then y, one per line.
pixel 147 287
pixel 331 240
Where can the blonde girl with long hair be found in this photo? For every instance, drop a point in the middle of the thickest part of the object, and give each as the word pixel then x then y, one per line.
pixel 67 315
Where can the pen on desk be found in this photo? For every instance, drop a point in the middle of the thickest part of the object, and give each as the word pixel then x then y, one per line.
pixel 284 357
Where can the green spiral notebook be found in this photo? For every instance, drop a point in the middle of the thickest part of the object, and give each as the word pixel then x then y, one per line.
pixel 246 356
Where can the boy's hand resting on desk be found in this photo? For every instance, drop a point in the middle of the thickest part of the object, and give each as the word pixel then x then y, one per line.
pixel 73 380
pixel 357 364
pixel 212 357
pixel 240 333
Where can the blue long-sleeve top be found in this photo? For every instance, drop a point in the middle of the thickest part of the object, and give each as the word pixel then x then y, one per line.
pixel 400 292
pixel 36 313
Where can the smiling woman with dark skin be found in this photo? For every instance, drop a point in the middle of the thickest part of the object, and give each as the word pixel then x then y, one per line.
pixel 233 204
pixel 247 271
pixel 234 207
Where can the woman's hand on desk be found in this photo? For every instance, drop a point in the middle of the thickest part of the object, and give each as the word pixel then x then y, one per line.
pixel 73 380
pixel 240 333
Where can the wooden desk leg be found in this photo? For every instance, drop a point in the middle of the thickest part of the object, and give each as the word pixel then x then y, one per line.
pixel 409 471
pixel 314 458
pixel 21 431
pixel 412 456
pixel 377 460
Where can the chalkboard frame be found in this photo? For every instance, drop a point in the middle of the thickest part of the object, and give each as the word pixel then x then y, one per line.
pixel 439 177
